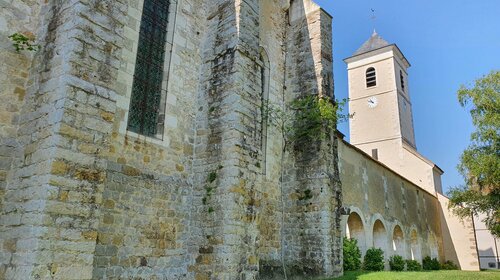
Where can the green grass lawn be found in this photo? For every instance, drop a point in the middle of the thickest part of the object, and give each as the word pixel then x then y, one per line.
pixel 425 275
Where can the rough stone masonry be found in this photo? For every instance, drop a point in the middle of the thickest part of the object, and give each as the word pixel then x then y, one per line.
pixel 215 195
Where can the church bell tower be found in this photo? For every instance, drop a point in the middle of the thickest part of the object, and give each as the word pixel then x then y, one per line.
pixel 382 122
pixel 379 98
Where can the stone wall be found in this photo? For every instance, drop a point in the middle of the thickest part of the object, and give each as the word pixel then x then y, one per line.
pixel 30 200
pixel 84 198
pixel 228 152
pixel 15 17
pixel 390 212
pixel 375 193
pixel 20 17
pixel 273 24
pixel 64 215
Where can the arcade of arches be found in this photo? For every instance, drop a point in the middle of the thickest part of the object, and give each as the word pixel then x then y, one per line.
pixel 389 212
pixel 402 241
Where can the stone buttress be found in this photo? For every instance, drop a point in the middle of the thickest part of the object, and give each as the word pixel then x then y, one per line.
pixel 226 178
pixel 312 225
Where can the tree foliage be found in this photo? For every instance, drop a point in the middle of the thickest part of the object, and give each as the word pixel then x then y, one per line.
pixel 480 162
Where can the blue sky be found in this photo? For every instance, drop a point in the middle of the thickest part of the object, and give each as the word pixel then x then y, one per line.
pixel 448 43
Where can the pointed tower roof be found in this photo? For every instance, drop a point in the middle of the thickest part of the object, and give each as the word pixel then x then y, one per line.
pixel 375 42
pixel 374 46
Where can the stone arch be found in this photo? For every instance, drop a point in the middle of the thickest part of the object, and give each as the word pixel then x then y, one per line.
pixel 355 229
pixel 415 249
pixel 379 235
pixel 343 222
pixel 265 70
pixel 398 241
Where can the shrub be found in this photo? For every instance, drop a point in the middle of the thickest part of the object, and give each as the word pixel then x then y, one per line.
pixel 374 260
pixel 430 264
pixel 397 263
pixel 449 265
pixel 412 265
pixel 435 265
pixel 352 255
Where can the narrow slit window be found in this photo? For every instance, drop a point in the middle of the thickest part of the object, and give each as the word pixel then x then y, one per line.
pixel 145 103
pixel 375 154
pixel 401 77
pixel 371 77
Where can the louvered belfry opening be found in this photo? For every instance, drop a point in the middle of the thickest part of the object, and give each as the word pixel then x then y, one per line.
pixel 146 96
pixel 371 79
pixel 401 77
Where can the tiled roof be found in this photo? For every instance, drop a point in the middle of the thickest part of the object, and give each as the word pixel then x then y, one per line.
pixel 375 42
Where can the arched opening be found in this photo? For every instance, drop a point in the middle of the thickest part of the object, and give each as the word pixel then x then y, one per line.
pixel 371 77
pixel 355 229
pixel 415 247
pixel 398 241
pixel 379 236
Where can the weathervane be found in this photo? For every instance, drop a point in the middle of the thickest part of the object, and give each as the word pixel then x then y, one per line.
pixel 373 17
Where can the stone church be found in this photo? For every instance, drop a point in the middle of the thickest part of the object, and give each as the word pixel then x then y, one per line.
pixel 134 145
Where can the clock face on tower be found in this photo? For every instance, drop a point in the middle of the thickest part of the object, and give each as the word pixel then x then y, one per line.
pixel 372 102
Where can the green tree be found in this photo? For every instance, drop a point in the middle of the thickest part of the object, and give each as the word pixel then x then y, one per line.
pixel 480 162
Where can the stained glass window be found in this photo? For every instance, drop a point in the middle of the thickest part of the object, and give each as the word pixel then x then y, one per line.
pixel 148 76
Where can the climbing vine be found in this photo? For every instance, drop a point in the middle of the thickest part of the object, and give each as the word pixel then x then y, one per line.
pixel 23 42
pixel 307 118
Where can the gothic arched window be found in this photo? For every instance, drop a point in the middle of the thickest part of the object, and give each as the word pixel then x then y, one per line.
pixel 371 77
pixel 145 102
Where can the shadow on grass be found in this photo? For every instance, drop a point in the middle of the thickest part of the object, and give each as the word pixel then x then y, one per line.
pixel 420 275
pixel 352 275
